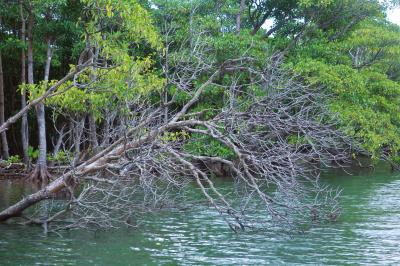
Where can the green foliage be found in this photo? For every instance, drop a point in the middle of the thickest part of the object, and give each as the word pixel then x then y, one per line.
pixel 315 3
pixel 131 76
pixel 348 49
pixel 13 159
pixel 206 146
pixel 198 144
pixel 367 103
pixel 181 97
pixel 33 153
pixel 297 140
pixel 177 136
pixel 360 72
pixel 231 45
pixel 61 157
pixel 74 100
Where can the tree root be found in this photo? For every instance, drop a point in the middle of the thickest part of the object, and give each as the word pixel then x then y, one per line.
pixel 40 175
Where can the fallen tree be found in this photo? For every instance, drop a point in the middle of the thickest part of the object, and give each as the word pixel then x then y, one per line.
pixel 278 135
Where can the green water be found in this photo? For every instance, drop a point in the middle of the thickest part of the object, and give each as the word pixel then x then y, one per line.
pixel 368 233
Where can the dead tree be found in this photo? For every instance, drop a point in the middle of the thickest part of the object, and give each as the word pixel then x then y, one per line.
pixel 280 138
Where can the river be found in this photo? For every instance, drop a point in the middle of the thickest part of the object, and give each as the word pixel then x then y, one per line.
pixel 367 233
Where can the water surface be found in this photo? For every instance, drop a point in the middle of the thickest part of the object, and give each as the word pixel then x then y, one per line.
pixel 368 233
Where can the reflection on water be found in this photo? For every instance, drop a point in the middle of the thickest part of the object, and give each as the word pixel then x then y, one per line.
pixel 12 190
pixel 367 233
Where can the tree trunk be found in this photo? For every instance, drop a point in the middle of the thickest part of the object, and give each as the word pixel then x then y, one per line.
pixel 108 124
pixel 59 142
pixel 239 16
pixel 92 121
pixel 93 132
pixel 96 163
pixel 30 45
pixel 57 145
pixel 4 142
pixel 78 131
pixel 166 109
pixel 2 118
pixel 40 172
pixel 258 24
pixel 24 122
pixel 48 60
pixel 102 159
pixel 256 29
pixel 30 60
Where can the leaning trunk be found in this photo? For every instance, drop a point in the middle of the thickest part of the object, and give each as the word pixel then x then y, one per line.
pixel 102 159
pixel 96 163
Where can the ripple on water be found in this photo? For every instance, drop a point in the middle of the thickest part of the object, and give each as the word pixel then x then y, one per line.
pixel 367 234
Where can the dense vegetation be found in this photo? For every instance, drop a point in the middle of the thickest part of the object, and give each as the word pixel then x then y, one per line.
pixel 301 68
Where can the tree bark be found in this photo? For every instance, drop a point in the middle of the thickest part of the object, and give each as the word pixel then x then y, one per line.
pixel 2 116
pixel 92 121
pixel 30 45
pixel 93 132
pixel 96 163
pixel 57 145
pixel 77 137
pixel 24 121
pixel 4 142
pixel 40 173
pixel 239 16
pixel 49 55
pixel 30 48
